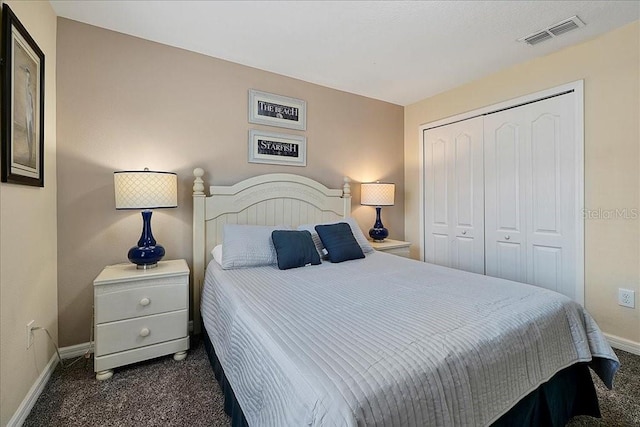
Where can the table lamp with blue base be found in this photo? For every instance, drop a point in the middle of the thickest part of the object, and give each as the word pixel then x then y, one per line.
pixel 377 194
pixel 146 190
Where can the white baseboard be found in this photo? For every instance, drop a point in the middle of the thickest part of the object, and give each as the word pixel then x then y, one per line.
pixel 623 344
pixel 77 350
pixel 34 392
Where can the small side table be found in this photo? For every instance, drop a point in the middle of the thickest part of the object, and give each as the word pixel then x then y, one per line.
pixel 395 247
pixel 140 314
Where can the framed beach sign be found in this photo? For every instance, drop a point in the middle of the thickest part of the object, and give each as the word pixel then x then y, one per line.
pixel 22 104
pixel 277 148
pixel 276 110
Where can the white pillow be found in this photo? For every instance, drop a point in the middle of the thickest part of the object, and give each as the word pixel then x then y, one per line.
pixel 217 254
pixel 365 245
pixel 248 246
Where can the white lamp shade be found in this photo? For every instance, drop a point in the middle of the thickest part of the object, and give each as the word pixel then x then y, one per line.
pixel 145 189
pixel 377 194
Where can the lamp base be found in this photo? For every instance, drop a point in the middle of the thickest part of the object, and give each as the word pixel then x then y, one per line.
pixel 146 256
pixel 147 253
pixel 378 234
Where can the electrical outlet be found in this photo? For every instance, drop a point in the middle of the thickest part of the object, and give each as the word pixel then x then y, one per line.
pixel 30 333
pixel 626 298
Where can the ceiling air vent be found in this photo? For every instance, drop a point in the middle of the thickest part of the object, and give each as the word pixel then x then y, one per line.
pixel 537 38
pixel 553 31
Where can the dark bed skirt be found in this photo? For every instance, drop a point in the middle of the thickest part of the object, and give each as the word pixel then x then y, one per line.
pixel 568 393
pixel 231 405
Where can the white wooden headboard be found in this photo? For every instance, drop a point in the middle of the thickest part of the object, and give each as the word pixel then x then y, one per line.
pixel 272 199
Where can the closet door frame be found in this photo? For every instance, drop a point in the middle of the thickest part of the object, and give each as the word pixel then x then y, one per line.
pixel 577 88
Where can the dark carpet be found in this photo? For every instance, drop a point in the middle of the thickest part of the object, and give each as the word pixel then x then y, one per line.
pixel 160 392
pixel 163 392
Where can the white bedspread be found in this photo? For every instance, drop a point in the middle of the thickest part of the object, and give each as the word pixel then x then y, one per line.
pixel 387 341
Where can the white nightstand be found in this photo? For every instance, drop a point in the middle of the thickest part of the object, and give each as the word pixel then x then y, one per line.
pixel 395 247
pixel 140 314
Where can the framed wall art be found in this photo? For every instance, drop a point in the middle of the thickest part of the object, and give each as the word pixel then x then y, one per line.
pixel 276 110
pixel 277 148
pixel 22 104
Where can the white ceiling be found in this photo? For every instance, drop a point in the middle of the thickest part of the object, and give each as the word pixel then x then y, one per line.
pixel 396 51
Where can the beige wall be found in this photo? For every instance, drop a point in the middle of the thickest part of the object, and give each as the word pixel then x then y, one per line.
pixel 127 103
pixel 28 248
pixel 609 66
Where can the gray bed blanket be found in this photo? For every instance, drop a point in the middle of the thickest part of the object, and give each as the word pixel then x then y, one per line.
pixel 387 341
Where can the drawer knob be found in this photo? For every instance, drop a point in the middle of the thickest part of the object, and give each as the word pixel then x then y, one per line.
pixel 464 232
pixel 144 332
pixel 507 237
pixel 145 302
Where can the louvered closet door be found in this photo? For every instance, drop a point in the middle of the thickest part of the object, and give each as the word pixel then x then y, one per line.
pixel 530 194
pixel 454 205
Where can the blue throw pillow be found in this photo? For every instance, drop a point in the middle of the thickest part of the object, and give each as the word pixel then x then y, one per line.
pixel 339 242
pixel 294 249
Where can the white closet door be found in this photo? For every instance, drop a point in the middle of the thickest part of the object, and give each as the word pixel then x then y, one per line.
pixel 530 194
pixel 505 202
pixel 454 195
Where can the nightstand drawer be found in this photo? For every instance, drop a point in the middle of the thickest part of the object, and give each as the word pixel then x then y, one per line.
pixel 403 252
pixel 142 331
pixel 115 302
pixel 393 247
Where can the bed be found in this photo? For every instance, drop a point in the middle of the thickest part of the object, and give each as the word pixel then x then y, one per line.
pixel 380 340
